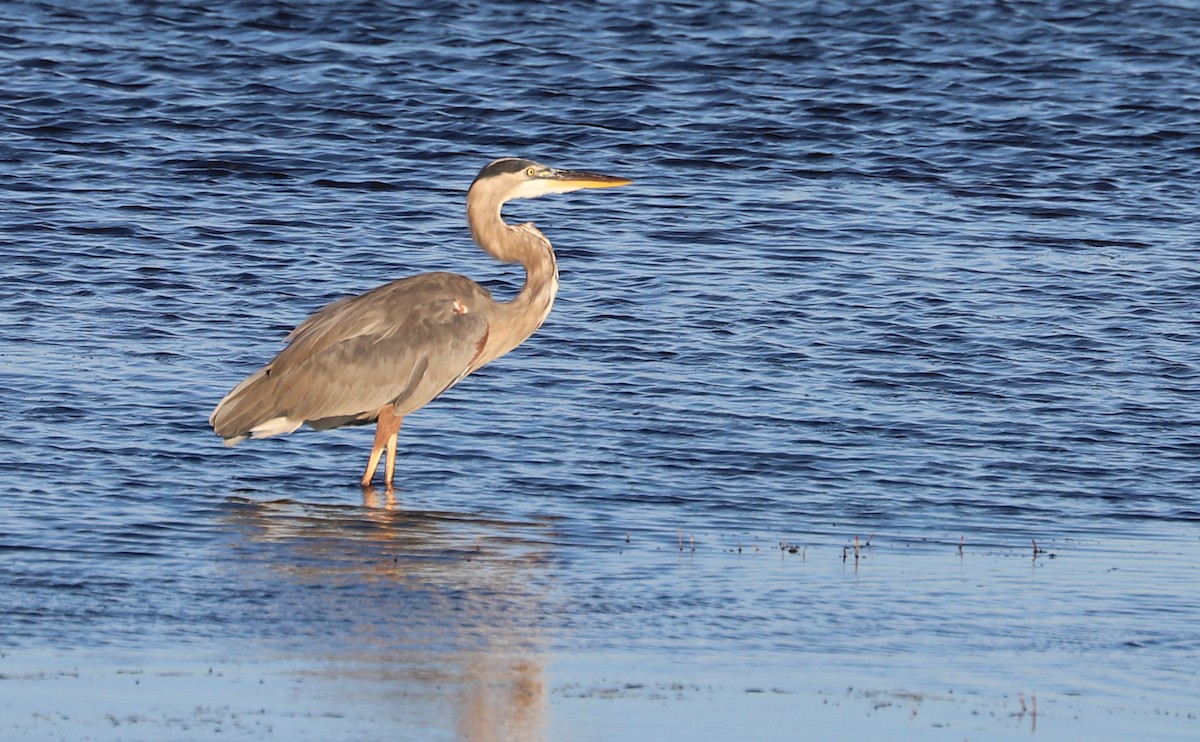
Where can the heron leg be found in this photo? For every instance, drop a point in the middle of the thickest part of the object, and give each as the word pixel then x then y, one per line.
pixel 387 428
pixel 389 467
pixel 372 465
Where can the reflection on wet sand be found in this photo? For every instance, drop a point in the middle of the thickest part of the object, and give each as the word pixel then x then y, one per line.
pixel 432 619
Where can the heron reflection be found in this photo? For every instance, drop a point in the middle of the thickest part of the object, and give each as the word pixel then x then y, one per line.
pixel 431 619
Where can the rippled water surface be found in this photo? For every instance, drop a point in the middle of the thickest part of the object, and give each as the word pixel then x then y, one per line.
pixel 872 408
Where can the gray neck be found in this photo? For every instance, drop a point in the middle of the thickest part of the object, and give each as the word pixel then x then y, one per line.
pixel 515 320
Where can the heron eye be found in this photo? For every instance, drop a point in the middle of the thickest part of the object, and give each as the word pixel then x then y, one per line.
pixel 529 172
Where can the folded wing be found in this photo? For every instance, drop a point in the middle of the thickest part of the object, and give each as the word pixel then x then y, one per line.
pixel 403 343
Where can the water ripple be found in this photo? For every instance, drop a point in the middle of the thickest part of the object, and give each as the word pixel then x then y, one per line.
pixel 915 272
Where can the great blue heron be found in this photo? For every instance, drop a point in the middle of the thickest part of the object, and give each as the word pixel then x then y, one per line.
pixel 378 356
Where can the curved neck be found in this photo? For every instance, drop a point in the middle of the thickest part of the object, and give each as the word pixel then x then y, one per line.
pixel 515 320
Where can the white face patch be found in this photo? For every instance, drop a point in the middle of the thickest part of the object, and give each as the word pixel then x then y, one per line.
pixel 459 307
pixel 543 186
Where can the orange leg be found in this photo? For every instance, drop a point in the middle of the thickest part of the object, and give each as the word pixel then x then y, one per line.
pixel 389 466
pixel 387 429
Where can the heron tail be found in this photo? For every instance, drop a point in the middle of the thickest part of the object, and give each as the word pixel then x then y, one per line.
pixel 250 411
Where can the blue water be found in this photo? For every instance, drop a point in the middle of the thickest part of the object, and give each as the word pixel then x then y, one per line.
pixel 924 272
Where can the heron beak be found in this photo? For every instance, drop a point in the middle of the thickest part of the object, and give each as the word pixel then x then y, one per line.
pixel 575 179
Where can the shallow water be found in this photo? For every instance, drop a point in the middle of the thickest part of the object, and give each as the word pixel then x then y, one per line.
pixel 922 276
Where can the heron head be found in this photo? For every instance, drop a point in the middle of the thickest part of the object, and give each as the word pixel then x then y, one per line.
pixel 513 177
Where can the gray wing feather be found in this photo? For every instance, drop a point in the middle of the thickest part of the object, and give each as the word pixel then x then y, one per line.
pixel 405 342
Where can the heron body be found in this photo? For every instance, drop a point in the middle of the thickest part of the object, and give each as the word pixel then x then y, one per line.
pixel 381 355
